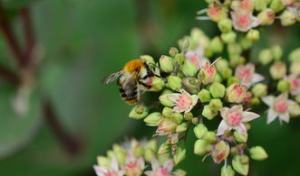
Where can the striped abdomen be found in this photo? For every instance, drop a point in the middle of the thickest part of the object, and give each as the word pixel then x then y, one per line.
pixel 128 88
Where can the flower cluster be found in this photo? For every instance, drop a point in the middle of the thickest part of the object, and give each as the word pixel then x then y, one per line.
pixel 135 158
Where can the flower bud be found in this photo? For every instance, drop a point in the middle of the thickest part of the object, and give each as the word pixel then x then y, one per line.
pixel 220 152
pixel 278 70
pixel 294 109
pixel 288 18
pixel 225 25
pixel 188 116
pixel 166 64
pixel 253 35
pixel 258 153
pixel 232 80
pixel 153 119
pixel 103 161
pixel 246 43
pixel 277 5
pixel 157 84
pixel 179 172
pixel 216 13
pixel 217 90
pixel 138 112
pixel 179 155
pixel 201 147
pixel 174 82
pixel 163 149
pixel 295 67
pixel 259 90
pixel 229 37
pixel 207 73
pixel 170 114
pixel 180 58
pixel 234 49
pixel 240 165
pixel 164 99
pixel 265 56
pixel 260 5
pixel 266 17
pixel 298 99
pixel 149 154
pixel 215 104
pixel 239 137
pixel 166 126
pixel 277 52
pixel 295 55
pixel 216 45
pixel 227 171
pixel 181 128
pixel 119 152
pixel 209 113
pixel 210 137
pixel 283 86
pixel 200 130
pixel 173 51
pixel 236 93
pixel 191 84
pixel 204 96
pixel 147 59
pixel 188 68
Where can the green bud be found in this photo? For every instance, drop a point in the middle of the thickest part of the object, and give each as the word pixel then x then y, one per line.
pixel 210 137
pixel 120 154
pixel 151 145
pixel 216 45
pixel 232 80
pixel 200 130
pixel 166 64
pixel 283 86
pixel 103 161
pixel 239 137
pixel 189 69
pixel 174 116
pixel 188 116
pixel 298 98
pixel 260 5
pixel 179 172
pixel 225 25
pixel 209 113
pixel 204 96
pixel 258 153
pixel 153 119
pixel 234 49
pixel 157 84
pixel 277 5
pixel 266 17
pixel 179 58
pixel 164 99
pixel 191 84
pixel 240 165
pixel 218 78
pixel 277 52
pixel 278 70
pixel 215 104
pixel 149 154
pixel 174 82
pixel 265 56
pixel 295 55
pixel 148 59
pixel 253 35
pixel 227 171
pixel 179 155
pixel 295 67
pixel 164 148
pixel 294 109
pixel 228 37
pixel 288 18
pixel 259 90
pixel 181 128
pixel 217 90
pixel 246 43
pixel 173 51
pixel 138 112
pixel 201 147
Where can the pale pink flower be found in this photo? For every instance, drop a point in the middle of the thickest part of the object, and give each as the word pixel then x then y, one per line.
pixel 166 127
pixel 294 81
pixel 234 118
pixel 158 169
pixel 184 102
pixel 279 107
pixel 236 93
pixel 244 21
pixel 247 76
pixel 134 166
pixel 112 171
pixel 209 73
pixel 196 57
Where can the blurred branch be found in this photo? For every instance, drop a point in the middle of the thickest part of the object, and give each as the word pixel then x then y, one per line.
pixel 9 75
pixel 70 143
pixel 28 33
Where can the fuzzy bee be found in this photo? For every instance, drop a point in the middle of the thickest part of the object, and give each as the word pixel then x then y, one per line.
pixel 135 77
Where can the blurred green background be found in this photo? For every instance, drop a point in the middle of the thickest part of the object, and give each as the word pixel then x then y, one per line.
pixel 82 42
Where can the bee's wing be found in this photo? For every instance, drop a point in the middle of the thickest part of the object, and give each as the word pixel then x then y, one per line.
pixel 112 77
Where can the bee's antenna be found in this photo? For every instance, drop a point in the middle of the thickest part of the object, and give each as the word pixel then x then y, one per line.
pixel 215 61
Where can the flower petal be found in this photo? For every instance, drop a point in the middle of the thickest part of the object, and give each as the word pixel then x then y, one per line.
pixel 285 117
pixel 100 171
pixel 248 116
pixel 222 128
pixel 174 97
pixel 271 116
pixel 257 78
pixel 268 100
pixel 241 129
pixel 169 165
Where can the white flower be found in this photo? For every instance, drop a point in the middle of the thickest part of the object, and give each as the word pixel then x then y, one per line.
pixel 184 102
pixel 279 107
pixel 247 76
pixel 234 118
pixel 161 170
pixel 112 171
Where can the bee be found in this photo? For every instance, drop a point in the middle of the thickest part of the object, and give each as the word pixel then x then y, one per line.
pixel 135 77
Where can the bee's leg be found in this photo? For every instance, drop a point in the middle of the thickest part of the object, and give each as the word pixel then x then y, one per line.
pixel 144 84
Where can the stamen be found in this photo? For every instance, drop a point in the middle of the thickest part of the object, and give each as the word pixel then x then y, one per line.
pixel 200 12
pixel 203 18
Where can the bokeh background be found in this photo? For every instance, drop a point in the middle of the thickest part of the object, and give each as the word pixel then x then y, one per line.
pixel 82 41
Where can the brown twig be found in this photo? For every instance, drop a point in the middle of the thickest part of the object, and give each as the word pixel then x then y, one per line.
pixel 70 143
